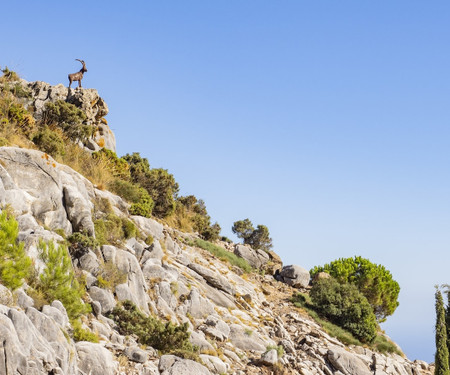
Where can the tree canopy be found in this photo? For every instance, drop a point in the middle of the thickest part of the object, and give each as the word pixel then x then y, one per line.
pixel 374 281
pixel 258 238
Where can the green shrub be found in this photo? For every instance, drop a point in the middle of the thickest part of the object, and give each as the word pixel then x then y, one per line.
pixel 223 254
pixel 373 280
pixel 258 238
pixel 69 118
pixel 58 281
pixel 159 183
pixel 112 229
pixel 15 265
pixel 81 334
pixel 345 306
pixel 304 301
pixel 49 141
pixel 141 202
pixel 150 330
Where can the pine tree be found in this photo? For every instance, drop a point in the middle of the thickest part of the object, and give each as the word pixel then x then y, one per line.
pixel 441 357
pixel 15 265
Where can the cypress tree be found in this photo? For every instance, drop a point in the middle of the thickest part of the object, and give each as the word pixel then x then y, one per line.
pixel 447 320
pixel 441 357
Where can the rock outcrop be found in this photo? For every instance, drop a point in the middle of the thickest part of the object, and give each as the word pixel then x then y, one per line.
pixel 88 100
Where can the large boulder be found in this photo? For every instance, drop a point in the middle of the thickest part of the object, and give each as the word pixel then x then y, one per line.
pixel 256 258
pixel 294 276
pixel 246 339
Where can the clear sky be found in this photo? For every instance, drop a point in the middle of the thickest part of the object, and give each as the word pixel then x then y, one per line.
pixel 327 121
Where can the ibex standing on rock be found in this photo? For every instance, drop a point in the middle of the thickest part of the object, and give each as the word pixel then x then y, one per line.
pixel 78 76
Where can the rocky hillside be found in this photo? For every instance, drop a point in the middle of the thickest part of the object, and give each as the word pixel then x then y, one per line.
pixel 237 320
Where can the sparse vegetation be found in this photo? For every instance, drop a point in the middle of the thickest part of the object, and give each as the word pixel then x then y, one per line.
pixel 278 348
pixel 150 330
pixel 82 334
pixel 191 216
pixel 222 254
pixel 109 276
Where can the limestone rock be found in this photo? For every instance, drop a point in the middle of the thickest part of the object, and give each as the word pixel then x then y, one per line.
pixel 246 339
pixel 136 354
pixel 213 278
pixel 87 100
pixel 149 227
pixel 216 328
pixel 197 306
pixel 269 358
pixel 94 359
pixel 136 285
pixel 214 364
pixel 104 297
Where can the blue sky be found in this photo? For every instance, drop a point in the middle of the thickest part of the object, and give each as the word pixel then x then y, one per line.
pixel 326 121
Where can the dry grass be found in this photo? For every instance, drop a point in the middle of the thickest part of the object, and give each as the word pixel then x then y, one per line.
pixel 95 170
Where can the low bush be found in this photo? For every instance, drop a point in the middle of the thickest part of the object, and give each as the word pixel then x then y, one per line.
pixel 190 215
pixel 158 182
pixel 222 254
pixel 50 141
pixel 303 301
pixel 81 334
pixel 15 265
pixel 112 229
pixel 69 118
pixel 141 202
pixel 150 330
